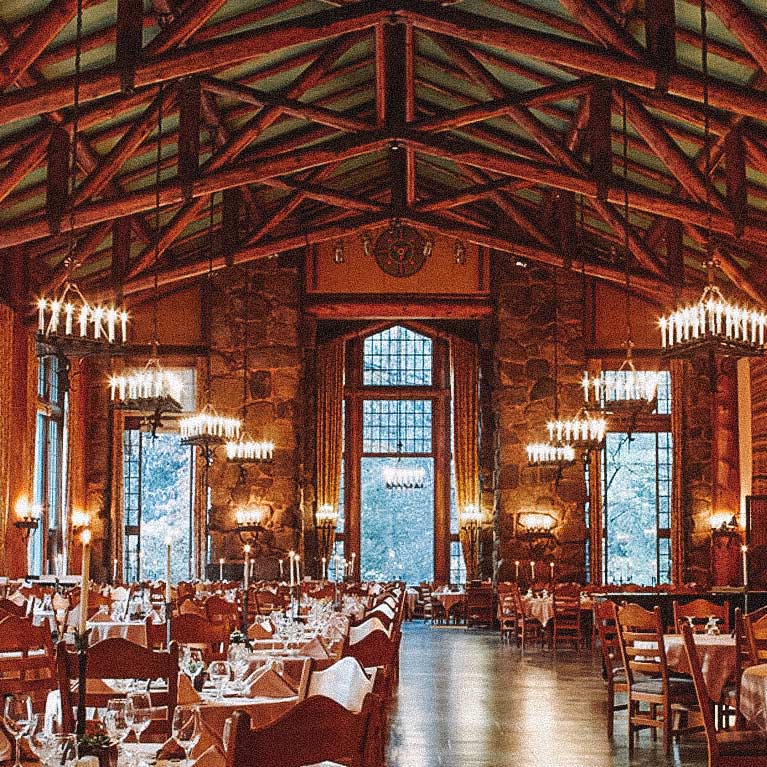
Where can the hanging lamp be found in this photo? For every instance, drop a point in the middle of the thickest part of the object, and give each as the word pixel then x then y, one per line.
pixel 150 389
pixel 245 449
pixel 555 453
pixel 68 323
pixel 713 325
pixel 206 429
pixel 399 477
pixel 626 390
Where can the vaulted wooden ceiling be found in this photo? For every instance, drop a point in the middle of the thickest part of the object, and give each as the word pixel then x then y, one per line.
pixel 496 121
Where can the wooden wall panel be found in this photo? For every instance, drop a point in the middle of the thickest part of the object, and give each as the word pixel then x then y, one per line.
pixel 759 425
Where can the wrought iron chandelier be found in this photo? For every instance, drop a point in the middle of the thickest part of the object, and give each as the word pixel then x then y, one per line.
pixel 244 449
pixel 712 326
pixel 67 322
pixel 151 389
pixel 585 430
pixel 399 477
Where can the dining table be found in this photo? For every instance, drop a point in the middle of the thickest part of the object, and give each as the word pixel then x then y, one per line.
pixel 753 696
pixel 449 598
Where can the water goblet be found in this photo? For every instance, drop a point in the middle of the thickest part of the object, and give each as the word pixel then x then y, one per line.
pixel 118 721
pixel 186 728
pixel 219 672
pixel 141 718
pixel 19 720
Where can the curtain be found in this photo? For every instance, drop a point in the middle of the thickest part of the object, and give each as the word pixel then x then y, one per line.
pixel 679 373
pixel 465 374
pixel 330 397
pixel 6 383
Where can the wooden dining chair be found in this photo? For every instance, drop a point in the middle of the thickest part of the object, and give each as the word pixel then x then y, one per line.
pixel 526 627
pixel 117 658
pixel 726 748
pixel 567 619
pixel 13 608
pixel 613 670
pixel 640 633
pixel 198 631
pixel 700 610
pixel 316 730
pixel 756 633
pixel 219 610
pixel 27 660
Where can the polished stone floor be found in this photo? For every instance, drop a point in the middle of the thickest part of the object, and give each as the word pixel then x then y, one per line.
pixel 467 700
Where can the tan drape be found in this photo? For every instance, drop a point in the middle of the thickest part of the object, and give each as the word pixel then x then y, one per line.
pixel 465 375
pixel 330 397
pixel 679 373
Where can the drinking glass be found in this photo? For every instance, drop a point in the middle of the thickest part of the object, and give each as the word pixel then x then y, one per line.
pixel 186 728
pixel 64 750
pixel 19 720
pixel 192 663
pixel 141 707
pixel 219 672
pixel 41 740
pixel 118 721
pixel 239 660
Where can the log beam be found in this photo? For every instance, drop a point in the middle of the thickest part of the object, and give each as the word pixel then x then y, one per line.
pixel 129 33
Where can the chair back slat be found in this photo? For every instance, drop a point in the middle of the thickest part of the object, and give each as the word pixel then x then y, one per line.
pixel 701 692
pixel 699 611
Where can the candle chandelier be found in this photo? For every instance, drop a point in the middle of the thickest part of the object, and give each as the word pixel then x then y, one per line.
pixel 151 389
pixel 206 429
pixel 626 390
pixel 67 322
pixel 712 325
pixel 555 453
pixel 244 449
pixel 399 477
pixel 326 521
pixel 584 430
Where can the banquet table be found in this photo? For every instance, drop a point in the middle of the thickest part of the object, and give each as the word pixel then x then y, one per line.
pixel 753 696
pixel 449 598
pixel 717 655
pixel 540 608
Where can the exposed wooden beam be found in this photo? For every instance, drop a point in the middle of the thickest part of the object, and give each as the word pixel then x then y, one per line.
pixel 660 31
pixel 735 170
pixel 129 39
pixel 57 177
pixel 592 16
pixel 189 114
pixel 745 25
pixel 600 136
pixel 26 159
pixel 194 16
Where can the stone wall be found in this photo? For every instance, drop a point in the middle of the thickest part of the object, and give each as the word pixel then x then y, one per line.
pixel 523 401
pixel 262 301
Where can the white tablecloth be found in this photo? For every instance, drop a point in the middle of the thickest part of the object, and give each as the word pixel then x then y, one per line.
pixel 540 608
pixel 753 695
pixel 133 631
pixel 449 598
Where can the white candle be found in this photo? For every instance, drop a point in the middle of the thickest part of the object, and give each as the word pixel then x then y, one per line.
pixel 41 304
pixel 532 569
pixel 281 570
pixel 246 567
pixel 114 570
pixel 351 569
pixel 744 552
pixel 168 596
pixel 324 569
pixel 298 571
pixel 221 569
pixel 85 538
pixel 335 567
pixel 291 554
pixel 551 566
pixel 516 570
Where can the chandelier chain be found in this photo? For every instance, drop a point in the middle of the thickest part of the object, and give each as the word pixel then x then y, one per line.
pixel 626 223
pixel 706 127
pixel 70 260
pixel 158 171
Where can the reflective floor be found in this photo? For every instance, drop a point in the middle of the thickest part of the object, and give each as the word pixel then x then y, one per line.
pixel 467 700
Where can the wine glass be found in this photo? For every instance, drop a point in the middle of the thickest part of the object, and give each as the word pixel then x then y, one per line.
pixel 19 719
pixel 141 706
pixel 41 740
pixel 186 728
pixel 192 663
pixel 118 721
pixel 219 672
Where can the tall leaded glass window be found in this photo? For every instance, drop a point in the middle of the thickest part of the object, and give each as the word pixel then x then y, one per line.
pixel 397 357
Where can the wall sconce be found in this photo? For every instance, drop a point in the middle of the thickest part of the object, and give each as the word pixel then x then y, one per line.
pixel 723 520
pixel 470 521
pixel 250 521
pixel 80 519
pixel 28 516
pixel 536 524
pixel 326 520
pixel 338 253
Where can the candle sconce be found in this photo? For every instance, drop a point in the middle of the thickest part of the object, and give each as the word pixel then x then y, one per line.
pixel 536 528
pixel 471 528
pixel 326 520
pixel 28 517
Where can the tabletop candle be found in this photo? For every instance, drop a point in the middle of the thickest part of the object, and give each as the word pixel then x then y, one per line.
pixel 114 570
pixel 516 569
pixel 324 569
pixel 297 560
pixel 551 565
pixel 532 569
pixel 86 572
pixel 168 598
pixel 221 569
pixel 291 554
pixel 335 567
pixel 281 571
pixel 246 568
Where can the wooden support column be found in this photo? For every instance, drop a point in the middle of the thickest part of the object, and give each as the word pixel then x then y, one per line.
pixel 660 29
pixel 189 103
pixel 441 441
pixel 352 455
pixel 600 134
pixel 735 169
pixel 57 183
pixel 130 26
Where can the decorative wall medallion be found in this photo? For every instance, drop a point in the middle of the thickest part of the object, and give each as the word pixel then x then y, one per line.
pixel 401 250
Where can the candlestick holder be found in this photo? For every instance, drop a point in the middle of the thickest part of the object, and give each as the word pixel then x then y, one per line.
pixel 81 646
pixel 168 622
pixel 245 611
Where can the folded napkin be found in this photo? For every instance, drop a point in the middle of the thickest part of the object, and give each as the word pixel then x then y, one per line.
pixel 212 757
pixel 170 750
pixel 261 630
pixel 187 695
pixel 315 648
pixel 267 683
